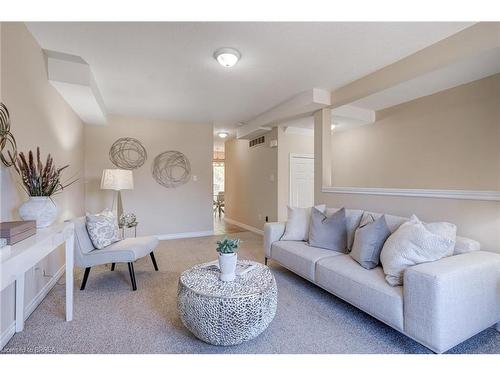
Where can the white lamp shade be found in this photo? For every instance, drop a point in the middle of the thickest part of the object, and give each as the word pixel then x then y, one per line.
pixel 117 179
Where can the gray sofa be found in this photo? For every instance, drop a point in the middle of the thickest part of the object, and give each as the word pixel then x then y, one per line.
pixel 440 304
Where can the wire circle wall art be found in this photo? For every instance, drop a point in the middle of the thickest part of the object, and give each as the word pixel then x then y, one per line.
pixel 7 140
pixel 171 169
pixel 127 153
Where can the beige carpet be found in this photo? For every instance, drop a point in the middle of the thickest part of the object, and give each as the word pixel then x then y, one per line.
pixel 110 318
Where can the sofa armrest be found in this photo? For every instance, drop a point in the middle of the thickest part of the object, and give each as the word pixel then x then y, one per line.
pixel 272 233
pixel 452 299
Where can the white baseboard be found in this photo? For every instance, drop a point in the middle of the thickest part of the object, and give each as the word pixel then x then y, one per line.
pixel 7 334
pixel 28 310
pixel 244 226
pixel 174 236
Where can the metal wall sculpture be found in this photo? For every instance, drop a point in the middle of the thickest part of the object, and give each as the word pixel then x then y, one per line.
pixel 7 140
pixel 127 153
pixel 171 169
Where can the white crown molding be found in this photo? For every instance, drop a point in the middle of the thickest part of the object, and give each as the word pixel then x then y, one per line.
pixel 481 195
pixel 173 236
pixel 244 226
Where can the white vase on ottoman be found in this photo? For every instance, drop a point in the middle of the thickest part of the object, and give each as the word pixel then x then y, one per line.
pixel 41 209
pixel 227 266
pixel 228 258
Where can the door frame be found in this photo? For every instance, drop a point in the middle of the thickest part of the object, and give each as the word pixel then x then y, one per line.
pixel 292 156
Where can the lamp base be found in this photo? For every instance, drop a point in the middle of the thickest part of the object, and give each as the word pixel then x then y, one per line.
pixel 117 207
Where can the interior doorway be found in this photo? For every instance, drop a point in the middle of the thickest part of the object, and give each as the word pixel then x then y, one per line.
pixel 301 192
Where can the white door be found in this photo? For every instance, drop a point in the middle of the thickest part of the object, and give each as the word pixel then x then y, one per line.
pixel 301 180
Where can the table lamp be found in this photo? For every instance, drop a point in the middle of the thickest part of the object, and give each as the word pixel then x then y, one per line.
pixel 117 180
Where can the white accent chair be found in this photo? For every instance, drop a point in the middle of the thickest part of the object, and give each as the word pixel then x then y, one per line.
pixel 127 251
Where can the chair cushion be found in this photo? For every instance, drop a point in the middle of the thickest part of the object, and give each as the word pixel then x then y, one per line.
pixel 365 289
pixel 124 251
pixel 299 257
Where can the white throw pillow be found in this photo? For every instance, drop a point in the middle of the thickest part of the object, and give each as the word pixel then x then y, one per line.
pixel 102 228
pixel 297 225
pixel 415 242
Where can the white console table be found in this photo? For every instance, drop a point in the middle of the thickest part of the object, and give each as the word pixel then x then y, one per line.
pixel 27 253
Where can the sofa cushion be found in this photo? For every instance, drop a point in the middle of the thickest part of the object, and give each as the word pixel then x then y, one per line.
pixel 413 243
pixel 297 226
pixel 393 222
pixel 353 220
pixel 299 257
pixel 465 245
pixel 369 239
pixel 124 251
pixel 365 289
pixel 328 232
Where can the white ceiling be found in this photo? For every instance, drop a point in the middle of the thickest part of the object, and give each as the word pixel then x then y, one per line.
pixel 166 70
pixel 464 71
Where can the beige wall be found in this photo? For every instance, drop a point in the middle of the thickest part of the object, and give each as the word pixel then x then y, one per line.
pixel 187 208
pixel 250 193
pixel 289 143
pixel 40 117
pixel 251 181
pixel 449 140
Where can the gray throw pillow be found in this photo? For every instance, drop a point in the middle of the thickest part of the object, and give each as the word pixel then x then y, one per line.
pixel 328 232
pixel 369 239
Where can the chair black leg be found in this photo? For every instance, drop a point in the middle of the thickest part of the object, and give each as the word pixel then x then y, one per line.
pixel 265 261
pixel 112 266
pixel 85 277
pixel 153 260
pixel 132 275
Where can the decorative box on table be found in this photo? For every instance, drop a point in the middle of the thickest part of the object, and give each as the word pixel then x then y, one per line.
pixel 15 231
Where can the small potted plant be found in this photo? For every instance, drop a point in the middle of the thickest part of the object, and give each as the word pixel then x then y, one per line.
pixel 227 249
pixel 41 183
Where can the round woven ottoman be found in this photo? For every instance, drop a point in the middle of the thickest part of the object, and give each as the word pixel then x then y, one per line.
pixel 227 313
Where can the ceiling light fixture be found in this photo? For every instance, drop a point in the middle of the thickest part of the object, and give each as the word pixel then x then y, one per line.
pixel 333 126
pixel 222 134
pixel 227 57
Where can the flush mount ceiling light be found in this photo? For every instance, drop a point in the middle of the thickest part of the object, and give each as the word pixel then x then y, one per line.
pixel 222 134
pixel 333 126
pixel 227 57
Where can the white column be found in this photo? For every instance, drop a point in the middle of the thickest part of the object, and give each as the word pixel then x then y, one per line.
pixel 322 151
pixel 69 248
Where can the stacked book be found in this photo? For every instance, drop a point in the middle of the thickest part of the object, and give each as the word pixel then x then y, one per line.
pixel 15 231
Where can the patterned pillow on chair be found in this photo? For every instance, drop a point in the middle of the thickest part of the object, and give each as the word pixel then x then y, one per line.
pixel 103 229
